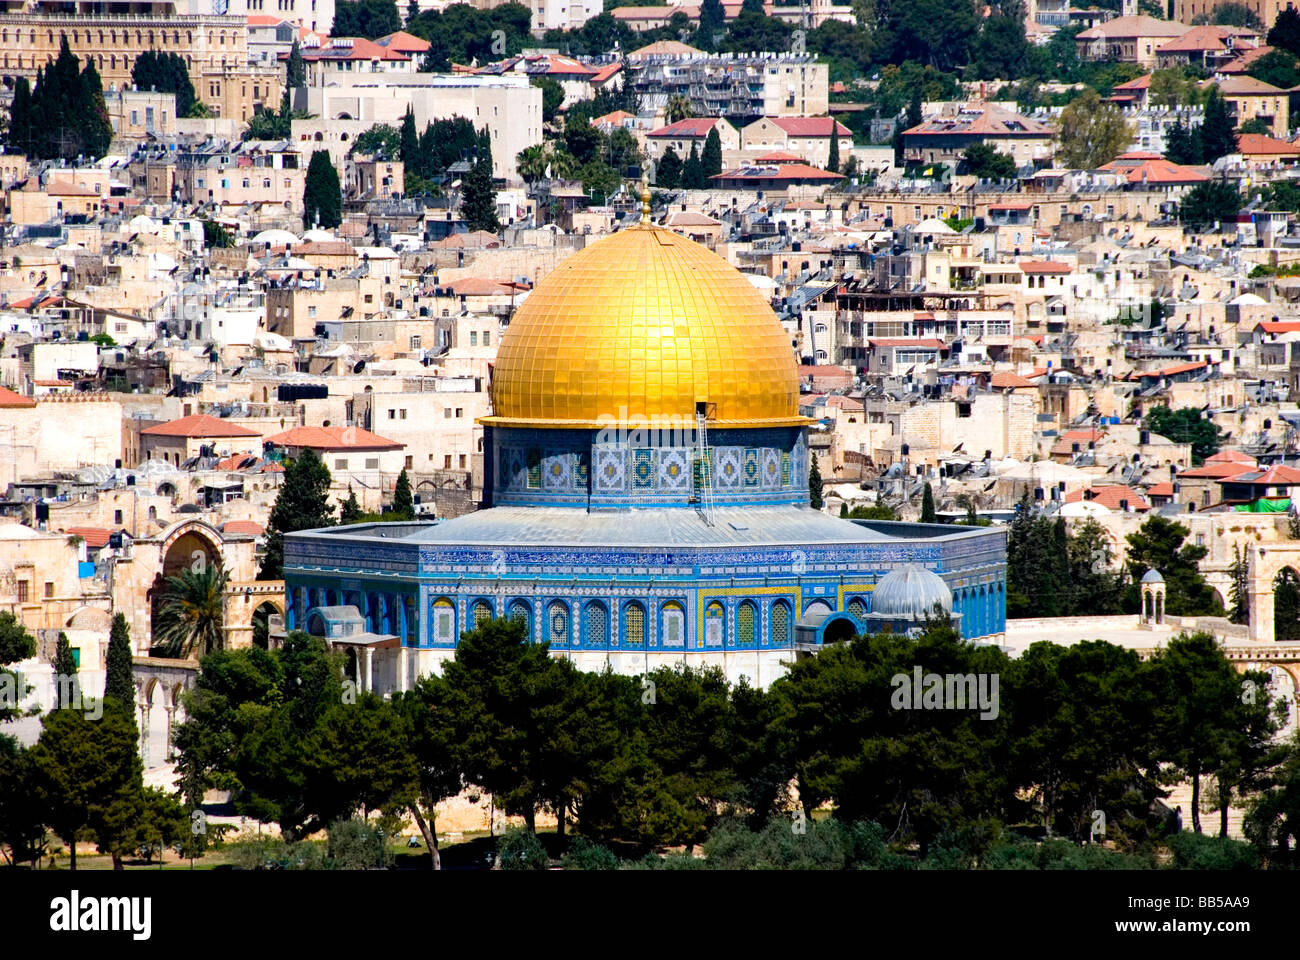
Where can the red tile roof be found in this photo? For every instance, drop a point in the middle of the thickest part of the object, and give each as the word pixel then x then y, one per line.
pixel 1145 169
pixel 350 48
pixel 333 438
pixel 981 120
pixel 1045 266
pixel 403 42
pixel 243 527
pixel 1163 489
pixel 1212 471
pixel 10 399
pixel 1005 380
pixel 782 171
pixel 1248 143
pixel 237 462
pixel 1231 456
pixel 201 426
pixel 1110 497
pixel 811 126
pixel 1203 38
pixel 692 127
pixel 95 537
pixel 1279 476
pixel 1279 326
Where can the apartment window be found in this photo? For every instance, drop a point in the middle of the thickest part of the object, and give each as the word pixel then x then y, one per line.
pixel 487 338
pixel 246 183
pixel 446 413
pixel 341 463
pixel 462 461
pixel 49 589
pixel 446 462
pixel 135 118
pixel 370 298
pixel 473 338
pixel 372 463
pixel 311 311
pixel 460 412
pixel 415 342
pixel 117 516
pixel 403 415
pixel 23 587
pixel 392 414
pixel 410 463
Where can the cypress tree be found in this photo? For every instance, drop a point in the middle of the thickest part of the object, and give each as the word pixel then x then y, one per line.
pixel 20 117
pixel 403 502
pixel 833 158
pixel 668 174
pixel 927 505
pixel 296 73
pixel 711 158
pixel 409 147
pixel 322 196
pixel 65 662
pixel 479 197
pixel 1218 138
pixel 815 499
pixel 94 127
pixel 302 504
pixel 693 171
pixel 349 509
pixel 119 680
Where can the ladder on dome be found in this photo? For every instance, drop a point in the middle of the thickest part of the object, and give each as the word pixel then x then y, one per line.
pixel 704 497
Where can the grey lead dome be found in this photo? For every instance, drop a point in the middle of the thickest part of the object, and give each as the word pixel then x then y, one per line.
pixel 910 592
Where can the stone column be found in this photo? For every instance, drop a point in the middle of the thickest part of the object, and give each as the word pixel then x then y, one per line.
pixel 402 669
pixel 171 713
pixel 367 658
pixel 144 733
pixel 1261 610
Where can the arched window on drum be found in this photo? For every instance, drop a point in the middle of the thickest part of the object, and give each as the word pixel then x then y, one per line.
pixel 674 624
pixel 444 621
pixel 557 618
pixel 779 631
pixel 746 624
pixel 715 626
pixel 634 624
pixel 480 614
pixel 597 624
pixel 519 610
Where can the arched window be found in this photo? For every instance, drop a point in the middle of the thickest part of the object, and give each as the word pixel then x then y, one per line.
pixel 482 613
pixel 715 626
pixel 746 628
pixel 558 620
pixel 519 610
pixel 597 624
pixel 444 621
pixel 674 619
pixel 780 626
pixel 634 624
pixel 857 608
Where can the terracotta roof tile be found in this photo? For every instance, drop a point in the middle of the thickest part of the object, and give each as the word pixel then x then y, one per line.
pixel 199 426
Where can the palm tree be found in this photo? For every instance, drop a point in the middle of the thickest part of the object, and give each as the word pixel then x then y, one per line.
pixel 192 611
pixel 563 164
pixel 678 108
pixel 531 162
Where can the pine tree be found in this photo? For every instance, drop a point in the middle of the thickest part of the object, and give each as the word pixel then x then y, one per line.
pixel 403 503
pixel 322 197
pixel 927 505
pixel 119 681
pixel 296 73
pixel 302 504
pixel 1218 137
pixel 1239 588
pixel 815 499
pixel 711 158
pixel 349 509
pixel 668 174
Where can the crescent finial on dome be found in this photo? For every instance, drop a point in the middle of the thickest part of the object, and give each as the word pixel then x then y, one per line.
pixel 645 197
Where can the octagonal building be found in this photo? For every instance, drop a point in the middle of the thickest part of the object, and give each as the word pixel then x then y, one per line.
pixel 646 497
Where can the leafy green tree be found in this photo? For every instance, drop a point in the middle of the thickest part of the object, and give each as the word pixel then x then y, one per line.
pixel 1094 587
pixel 435 749
pixel 80 768
pixel 1285 32
pixel 370 19
pixel 383 139
pixel 296 70
pixel 1185 425
pixel 599 179
pixel 22 823
pixel 1000 50
pixel 815 499
pixel 934 32
pixel 1158 544
pixel 302 504
pixel 360 757
pixel 15 642
pixel 1286 606
pixel 519 849
pixel 678 108
pixel 1213 201
pixel 1081 733
pixel 583 141
pixel 552 97
pixel 1234 15
pixel 403 503
pixel 1277 67
pixel 1258 125
pixel 713 21
pixel 668 172
pixel 322 199
pixel 877 511
pixel 1218 138
pixel 693 175
pixel 1174 87
pixel 1091 133
pixel 19 133
pixel 215 235
pixel 1239 589
pixel 119 673
pixel 986 162
pixel 191 617
pixel 623 151
pixel 168 73
pixel 1272 822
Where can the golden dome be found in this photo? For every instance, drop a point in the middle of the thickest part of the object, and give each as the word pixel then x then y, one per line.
pixel 644 324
